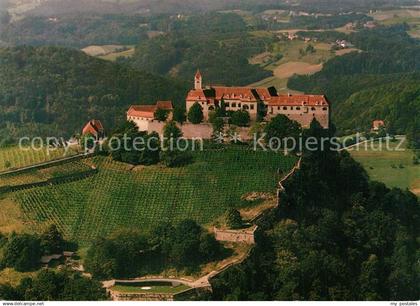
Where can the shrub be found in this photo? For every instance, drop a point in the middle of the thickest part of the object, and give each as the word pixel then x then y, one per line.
pixel 52 241
pixel 234 219
pixel 195 114
pixel 161 114
pixel 179 115
pixel 22 252
pixel 240 118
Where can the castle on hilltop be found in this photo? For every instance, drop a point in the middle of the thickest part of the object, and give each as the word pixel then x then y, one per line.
pixel 301 108
pixel 254 100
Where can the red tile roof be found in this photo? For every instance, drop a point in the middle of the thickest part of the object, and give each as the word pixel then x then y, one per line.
pixel 167 105
pixel 378 123
pixel 234 93
pixel 148 111
pixel 197 95
pixel 144 111
pixel 198 74
pixel 294 100
pixel 93 127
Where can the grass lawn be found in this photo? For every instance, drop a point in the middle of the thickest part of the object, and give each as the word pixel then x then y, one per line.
pixel 15 157
pixel 379 165
pixel 153 289
pixel 140 198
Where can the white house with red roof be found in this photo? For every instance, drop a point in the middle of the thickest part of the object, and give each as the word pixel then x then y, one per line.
pixel 301 108
pixel 95 128
pixel 142 115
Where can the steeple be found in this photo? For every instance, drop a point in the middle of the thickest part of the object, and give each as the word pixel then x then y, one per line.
pixel 198 81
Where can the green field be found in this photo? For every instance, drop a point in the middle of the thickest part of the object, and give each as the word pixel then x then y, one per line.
pixel 151 289
pixel 120 197
pixel 15 157
pixel 394 168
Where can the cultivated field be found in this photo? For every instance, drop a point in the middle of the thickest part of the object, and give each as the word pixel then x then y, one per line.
pixel 289 69
pixel 109 52
pixel 294 60
pixel 14 157
pixel 120 196
pixel 394 168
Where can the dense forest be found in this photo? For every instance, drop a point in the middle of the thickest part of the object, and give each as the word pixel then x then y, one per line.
pixel 218 44
pixel 388 56
pixel 76 30
pixel 54 91
pixel 336 236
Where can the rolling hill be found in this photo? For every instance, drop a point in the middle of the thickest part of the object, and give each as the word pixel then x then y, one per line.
pixel 54 91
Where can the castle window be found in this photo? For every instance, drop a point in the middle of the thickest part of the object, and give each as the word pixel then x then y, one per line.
pixel 239 104
pixel 252 106
pixel 291 107
pixel 233 104
pixel 298 108
pixel 312 108
pixel 245 107
pixel 284 107
pixel 324 108
pixel 278 107
pixel 226 104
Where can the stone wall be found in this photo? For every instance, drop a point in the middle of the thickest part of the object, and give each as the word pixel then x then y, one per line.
pixel 190 131
pixel 241 236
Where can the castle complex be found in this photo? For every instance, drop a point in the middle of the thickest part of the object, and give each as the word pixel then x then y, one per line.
pixel 266 101
pixel 301 108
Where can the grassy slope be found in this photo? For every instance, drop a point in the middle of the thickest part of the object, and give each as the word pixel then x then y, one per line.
pixel 25 157
pixel 118 198
pixel 379 166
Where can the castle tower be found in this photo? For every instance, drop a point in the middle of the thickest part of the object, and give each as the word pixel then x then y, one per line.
pixel 198 81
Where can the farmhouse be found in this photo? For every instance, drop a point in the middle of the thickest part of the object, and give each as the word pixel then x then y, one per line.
pixel 300 108
pixel 142 115
pixel 234 98
pixel 95 128
pixel 377 125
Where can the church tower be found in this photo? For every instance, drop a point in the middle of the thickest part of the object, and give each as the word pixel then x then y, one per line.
pixel 198 81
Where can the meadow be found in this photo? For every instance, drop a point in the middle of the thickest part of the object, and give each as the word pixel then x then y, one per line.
pixel 394 168
pixel 120 196
pixel 292 61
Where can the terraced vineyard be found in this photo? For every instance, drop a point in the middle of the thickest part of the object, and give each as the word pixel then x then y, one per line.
pixel 14 157
pixel 35 176
pixel 120 197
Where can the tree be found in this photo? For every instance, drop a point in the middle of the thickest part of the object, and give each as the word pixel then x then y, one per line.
pixel 233 219
pixel 179 115
pixel 240 118
pixel 51 241
pixel 171 131
pixel 195 114
pixel 55 286
pixel 161 114
pixel 218 127
pixel 100 259
pixel 280 128
pixel 172 156
pixel 128 145
pixel 87 141
pixel 7 164
pixel 22 252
